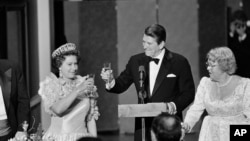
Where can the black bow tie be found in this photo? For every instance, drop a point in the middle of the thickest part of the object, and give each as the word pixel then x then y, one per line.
pixel 155 60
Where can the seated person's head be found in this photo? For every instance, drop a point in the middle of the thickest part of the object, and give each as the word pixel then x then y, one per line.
pixel 167 127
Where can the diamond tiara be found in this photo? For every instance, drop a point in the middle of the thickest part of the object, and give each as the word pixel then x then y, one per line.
pixel 63 48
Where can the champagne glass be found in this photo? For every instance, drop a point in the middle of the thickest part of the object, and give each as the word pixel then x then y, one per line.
pixel 107 67
pixel 92 76
pixel 91 90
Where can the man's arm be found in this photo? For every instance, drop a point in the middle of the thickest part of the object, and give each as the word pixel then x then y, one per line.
pixel 186 87
pixel 124 80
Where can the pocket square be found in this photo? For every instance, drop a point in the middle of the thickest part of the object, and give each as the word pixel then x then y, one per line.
pixel 171 75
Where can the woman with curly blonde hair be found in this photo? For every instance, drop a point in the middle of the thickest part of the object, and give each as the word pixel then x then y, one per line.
pixel 225 97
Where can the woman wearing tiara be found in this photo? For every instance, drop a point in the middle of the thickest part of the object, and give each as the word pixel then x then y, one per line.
pixel 66 98
pixel 225 97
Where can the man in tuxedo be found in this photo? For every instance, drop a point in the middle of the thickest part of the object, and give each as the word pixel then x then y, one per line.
pixel 14 102
pixel 167 77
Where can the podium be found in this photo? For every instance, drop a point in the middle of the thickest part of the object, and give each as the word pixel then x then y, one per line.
pixel 142 111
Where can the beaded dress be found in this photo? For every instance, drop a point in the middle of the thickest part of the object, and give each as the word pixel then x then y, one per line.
pixel 234 109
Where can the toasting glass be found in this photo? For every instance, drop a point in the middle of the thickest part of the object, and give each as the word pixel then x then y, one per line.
pixel 91 90
pixel 107 68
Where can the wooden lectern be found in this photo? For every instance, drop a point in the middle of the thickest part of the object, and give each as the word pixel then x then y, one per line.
pixel 141 110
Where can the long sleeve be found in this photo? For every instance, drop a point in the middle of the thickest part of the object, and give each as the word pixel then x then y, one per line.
pixel 185 85
pixel 123 82
pixel 246 102
pixel 197 108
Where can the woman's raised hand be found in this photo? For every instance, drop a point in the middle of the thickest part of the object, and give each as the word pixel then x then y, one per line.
pixel 85 85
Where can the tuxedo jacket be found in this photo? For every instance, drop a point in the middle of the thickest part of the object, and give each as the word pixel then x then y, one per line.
pixel 174 82
pixel 16 98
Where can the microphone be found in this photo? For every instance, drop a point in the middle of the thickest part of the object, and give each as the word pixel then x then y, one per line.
pixel 142 92
pixel 142 76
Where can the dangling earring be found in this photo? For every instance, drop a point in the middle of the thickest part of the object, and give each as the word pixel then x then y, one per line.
pixel 60 73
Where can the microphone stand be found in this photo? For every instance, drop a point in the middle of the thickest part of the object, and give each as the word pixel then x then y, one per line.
pixel 142 95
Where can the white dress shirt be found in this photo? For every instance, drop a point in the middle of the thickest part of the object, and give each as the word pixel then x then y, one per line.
pixel 154 70
pixel 3 114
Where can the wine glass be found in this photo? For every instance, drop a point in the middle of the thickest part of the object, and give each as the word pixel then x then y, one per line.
pixel 92 76
pixel 107 67
pixel 91 90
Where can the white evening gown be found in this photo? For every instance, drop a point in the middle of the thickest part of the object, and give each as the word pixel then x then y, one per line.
pixel 234 109
pixel 72 125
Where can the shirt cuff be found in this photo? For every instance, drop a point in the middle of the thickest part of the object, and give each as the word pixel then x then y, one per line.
pixel 173 104
pixel 110 85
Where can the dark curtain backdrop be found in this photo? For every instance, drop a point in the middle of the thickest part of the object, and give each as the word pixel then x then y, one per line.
pixel 97 42
pixel 212 28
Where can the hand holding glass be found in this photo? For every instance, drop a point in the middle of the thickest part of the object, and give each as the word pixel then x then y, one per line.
pixel 91 88
pixel 92 76
pixel 107 68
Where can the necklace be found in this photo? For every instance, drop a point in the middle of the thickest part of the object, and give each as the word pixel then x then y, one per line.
pixel 228 81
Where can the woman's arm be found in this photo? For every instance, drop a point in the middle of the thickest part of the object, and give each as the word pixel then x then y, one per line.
pixel 197 108
pixel 63 104
pixel 246 100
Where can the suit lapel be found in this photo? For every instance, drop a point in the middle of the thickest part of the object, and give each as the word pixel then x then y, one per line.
pixel 164 69
pixel 6 87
